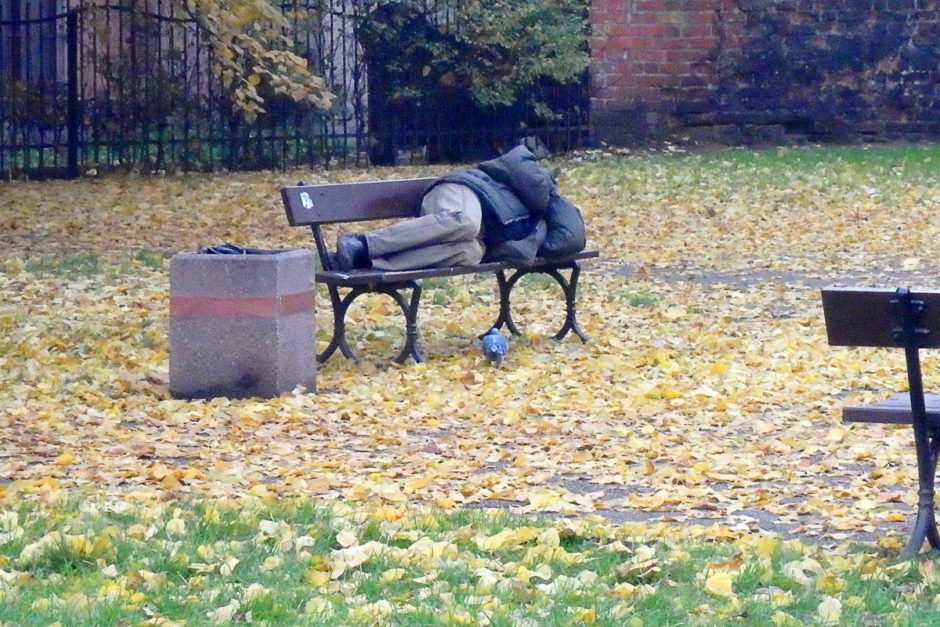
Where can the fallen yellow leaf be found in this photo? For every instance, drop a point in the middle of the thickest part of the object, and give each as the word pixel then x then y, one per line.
pixel 720 584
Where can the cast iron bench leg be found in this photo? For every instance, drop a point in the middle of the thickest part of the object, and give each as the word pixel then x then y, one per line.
pixel 340 306
pixel 410 310
pixel 910 332
pixel 925 527
pixel 570 288
pixel 505 313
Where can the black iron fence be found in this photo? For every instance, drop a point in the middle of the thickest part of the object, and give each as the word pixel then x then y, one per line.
pixel 91 86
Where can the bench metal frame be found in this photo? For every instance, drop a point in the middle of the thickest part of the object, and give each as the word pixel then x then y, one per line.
pixel 909 320
pixel 315 205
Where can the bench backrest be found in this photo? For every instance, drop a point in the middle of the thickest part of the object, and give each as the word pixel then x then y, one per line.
pixel 353 202
pixel 866 316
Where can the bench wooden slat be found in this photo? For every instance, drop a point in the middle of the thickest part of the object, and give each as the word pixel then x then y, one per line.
pixel 378 277
pixel 893 410
pixel 353 202
pixel 863 316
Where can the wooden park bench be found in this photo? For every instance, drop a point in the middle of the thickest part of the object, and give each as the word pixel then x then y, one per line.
pixel 901 319
pixel 315 205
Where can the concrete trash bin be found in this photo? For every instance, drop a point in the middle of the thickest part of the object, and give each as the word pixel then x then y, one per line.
pixel 242 325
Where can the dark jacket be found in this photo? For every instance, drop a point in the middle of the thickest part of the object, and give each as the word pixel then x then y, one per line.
pixel 514 194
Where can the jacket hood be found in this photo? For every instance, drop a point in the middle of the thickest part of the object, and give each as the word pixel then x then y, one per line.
pixel 518 170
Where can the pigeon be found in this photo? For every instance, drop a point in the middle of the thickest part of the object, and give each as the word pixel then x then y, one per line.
pixel 495 346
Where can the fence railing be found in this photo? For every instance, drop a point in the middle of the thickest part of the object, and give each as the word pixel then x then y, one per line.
pixel 90 86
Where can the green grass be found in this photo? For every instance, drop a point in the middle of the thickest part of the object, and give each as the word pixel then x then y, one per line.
pixel 81 265
pixel 445 290
pixel 724 173
pixel 633 298
pixel 87 562
pixel 921 159
pixel 87 264
pixel 152 259
pixel 539 282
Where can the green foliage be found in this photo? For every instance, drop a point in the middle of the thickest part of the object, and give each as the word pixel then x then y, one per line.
pixel 518 42
pixel 38 106
pixel 252 49
pixel 249 45
pixel 144 89
pixel 492 52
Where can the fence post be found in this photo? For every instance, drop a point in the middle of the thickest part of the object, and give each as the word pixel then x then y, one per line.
pixel 73 115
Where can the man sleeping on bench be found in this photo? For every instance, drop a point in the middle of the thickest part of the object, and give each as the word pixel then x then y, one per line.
pixel 507 209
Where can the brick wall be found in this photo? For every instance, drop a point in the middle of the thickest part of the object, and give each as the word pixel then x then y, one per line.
pixel 759 70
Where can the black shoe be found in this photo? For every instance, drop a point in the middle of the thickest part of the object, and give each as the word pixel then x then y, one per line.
pixel 351 253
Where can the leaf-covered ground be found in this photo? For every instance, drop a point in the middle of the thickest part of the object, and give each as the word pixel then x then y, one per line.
pixel 707 394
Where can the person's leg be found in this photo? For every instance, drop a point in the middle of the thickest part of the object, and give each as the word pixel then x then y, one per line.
pixel 450 213
pixel 435 256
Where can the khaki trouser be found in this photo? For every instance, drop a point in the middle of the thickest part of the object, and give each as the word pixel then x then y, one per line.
pixel 446 234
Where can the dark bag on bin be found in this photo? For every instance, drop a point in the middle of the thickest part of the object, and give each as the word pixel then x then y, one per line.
pixel 232 249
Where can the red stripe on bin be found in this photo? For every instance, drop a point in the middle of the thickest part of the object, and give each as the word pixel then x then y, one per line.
pixel 240 306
